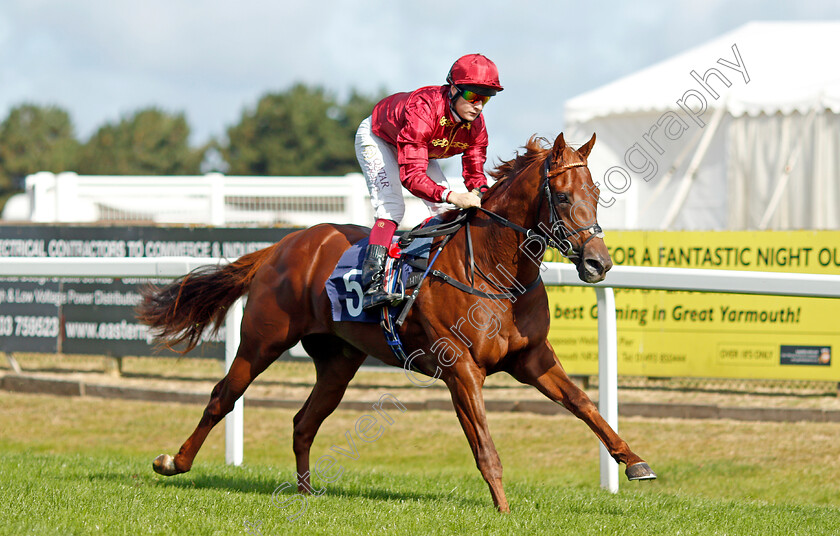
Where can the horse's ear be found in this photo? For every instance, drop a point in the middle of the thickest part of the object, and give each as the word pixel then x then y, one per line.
pixel 559 144
pixel 587 147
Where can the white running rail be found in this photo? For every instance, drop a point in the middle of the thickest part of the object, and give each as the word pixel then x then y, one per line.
pixel 728 281
pixel 212 199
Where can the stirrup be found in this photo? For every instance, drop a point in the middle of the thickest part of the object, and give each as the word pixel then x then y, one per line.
pixel 380 298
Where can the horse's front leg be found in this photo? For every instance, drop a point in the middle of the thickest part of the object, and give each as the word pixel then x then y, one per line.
pixel 539 367
pixel 465 387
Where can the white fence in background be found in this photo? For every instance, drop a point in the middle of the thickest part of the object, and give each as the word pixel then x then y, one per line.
pixel 212 199
pixel 739 282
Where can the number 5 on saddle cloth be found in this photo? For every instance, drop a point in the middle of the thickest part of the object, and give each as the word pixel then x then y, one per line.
pixel 405 268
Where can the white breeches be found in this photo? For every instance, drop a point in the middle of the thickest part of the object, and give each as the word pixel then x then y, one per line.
pixel 378 160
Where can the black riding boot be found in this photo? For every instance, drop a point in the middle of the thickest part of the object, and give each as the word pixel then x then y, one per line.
pixel 373 270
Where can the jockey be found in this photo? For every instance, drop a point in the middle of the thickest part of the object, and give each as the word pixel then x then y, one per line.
pixel 400 143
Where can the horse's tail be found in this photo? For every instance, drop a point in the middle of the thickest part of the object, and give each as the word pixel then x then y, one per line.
pixel 181 311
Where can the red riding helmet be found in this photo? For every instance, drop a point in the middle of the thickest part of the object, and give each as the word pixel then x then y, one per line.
pixel 477 72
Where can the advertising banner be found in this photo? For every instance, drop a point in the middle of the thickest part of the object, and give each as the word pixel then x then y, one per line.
pixel 96 316
pixel 661 333
pixel 694 334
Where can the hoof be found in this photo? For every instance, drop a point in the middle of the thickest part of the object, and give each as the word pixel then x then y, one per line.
pixel 640 471
pixel 165 465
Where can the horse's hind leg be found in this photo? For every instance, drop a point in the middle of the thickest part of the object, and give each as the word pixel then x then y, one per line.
pixel 252 357
pixel 541 369
pixel 335 365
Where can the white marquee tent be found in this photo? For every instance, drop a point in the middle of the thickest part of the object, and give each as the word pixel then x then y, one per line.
pixel 740 133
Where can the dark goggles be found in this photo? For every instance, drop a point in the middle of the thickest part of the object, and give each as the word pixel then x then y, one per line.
pixel 472 97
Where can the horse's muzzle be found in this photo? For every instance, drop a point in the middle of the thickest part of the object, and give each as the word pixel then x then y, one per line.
pixel 594 268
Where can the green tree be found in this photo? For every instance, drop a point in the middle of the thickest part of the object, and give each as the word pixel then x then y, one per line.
pixel 303 131
pixel 148 142
pixel 35 138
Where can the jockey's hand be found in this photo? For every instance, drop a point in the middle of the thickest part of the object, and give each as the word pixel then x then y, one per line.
pixel 464 200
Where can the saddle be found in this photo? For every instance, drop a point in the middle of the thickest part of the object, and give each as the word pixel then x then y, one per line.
pixel 404 268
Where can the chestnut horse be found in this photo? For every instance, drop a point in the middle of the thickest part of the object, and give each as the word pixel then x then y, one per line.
pixel 538 194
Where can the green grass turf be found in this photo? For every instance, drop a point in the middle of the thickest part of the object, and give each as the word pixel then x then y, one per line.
pixel 83 466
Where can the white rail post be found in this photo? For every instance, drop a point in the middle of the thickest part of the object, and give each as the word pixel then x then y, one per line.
pixel 216 198
pixel 356 199
pixel 234 421
pixel 607 379
pixel 66 196
pixel 40 187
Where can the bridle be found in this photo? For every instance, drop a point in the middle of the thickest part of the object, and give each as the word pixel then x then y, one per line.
pixel 555 223
pixel 557 235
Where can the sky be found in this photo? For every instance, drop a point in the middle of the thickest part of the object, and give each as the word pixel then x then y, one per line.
pixel 213 59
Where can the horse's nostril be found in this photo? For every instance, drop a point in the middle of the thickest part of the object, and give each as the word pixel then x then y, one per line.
pixel 594 267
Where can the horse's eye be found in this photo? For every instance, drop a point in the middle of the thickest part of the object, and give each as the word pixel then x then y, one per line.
pixel 562 197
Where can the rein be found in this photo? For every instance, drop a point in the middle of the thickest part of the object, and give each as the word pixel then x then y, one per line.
pixel 549 238
pixel 556 226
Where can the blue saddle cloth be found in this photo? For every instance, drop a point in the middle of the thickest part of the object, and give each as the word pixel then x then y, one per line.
pixel 344 286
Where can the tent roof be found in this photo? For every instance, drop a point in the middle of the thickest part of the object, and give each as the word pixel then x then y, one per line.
pixel 792 66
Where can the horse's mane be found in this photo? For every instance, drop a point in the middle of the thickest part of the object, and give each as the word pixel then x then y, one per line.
pixel 535 151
